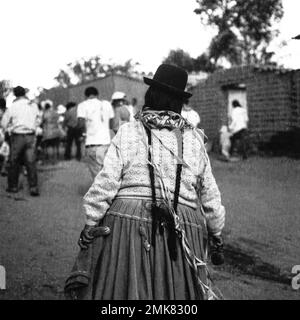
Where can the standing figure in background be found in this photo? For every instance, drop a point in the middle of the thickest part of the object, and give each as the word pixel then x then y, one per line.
pixel 2 108
pixel 61 110
pixel 73 132
pixel 189 114
pixel 225 142
pixel 39 135
pixel 4 146
pixel 122 114
pixel 95 116
pixel 238 128
pixel 21 121
pixel 135 106
pixel 51 131
pixel 4 154
pixel 130 109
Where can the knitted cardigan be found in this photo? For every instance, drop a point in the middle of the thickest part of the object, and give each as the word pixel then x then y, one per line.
pixel 125 173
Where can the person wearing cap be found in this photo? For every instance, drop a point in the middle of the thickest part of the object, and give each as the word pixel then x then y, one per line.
pixel 95 117
pixel 122 114
pixel 21 121
pixel 238 128
pixel 151 208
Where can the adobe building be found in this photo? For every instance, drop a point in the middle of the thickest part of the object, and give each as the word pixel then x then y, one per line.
pixel 270 95
pixel 132 87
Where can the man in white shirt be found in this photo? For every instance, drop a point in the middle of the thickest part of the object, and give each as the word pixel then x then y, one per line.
pixel 238 128
pixel 20 121
pixel 189 114
pixel 96 117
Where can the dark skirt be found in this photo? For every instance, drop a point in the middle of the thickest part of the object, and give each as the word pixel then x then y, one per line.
pixel 125 265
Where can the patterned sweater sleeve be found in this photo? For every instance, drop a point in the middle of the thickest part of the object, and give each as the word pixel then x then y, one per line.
pixel 106 184
pixel 211 202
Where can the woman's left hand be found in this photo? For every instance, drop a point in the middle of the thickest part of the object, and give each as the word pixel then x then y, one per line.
pixel 85 237
pixel 88 234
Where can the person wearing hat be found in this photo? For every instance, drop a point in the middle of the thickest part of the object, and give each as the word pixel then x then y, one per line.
pixel 122 114
pixel 21 121
pixel 238 128
pixel 151 208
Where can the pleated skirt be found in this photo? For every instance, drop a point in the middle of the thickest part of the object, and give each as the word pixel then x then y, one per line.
pixel 125 265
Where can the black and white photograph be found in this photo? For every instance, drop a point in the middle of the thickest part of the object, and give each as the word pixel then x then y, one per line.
pixel 149 151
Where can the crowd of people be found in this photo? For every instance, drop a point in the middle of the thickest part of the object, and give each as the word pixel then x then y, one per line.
pixel 33 132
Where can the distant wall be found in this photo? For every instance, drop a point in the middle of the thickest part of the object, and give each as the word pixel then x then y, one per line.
pixel 58 95
pixel 273 99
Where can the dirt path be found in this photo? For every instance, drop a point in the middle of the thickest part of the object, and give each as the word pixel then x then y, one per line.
pixel 38 235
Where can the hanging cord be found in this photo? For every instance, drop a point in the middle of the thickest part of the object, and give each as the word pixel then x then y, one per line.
pixel 161 216
pixel 179 136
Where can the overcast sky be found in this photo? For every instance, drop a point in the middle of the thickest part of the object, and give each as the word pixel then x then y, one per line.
pixel 38 37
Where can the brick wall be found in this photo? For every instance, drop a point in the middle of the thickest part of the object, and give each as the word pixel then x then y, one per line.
pixel 268 100
pixel 296 102
pixel 269 103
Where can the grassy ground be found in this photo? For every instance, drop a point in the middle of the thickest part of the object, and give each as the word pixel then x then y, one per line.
pixel 38 235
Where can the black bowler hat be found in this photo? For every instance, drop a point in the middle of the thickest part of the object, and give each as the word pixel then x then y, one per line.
pixel 170 78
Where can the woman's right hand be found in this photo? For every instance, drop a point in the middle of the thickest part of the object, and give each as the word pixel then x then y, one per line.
pixel 216 249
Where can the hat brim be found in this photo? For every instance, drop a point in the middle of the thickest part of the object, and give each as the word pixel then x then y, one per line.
pixel 177 92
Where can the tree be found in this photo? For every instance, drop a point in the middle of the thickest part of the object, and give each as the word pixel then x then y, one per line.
pixel 203 63
pixel 183 59
pixel 86 69
pixel 63 78
pixel 244 29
